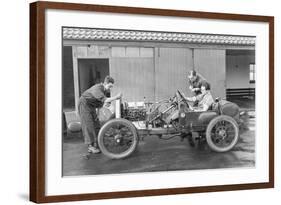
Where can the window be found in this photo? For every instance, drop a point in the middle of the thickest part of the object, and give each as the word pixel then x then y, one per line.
pixel 252 73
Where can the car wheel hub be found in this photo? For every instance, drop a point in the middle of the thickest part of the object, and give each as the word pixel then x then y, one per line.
pixel 118 138
pixel 221 132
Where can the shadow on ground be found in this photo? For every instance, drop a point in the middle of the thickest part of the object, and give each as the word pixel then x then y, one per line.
pixel 154 154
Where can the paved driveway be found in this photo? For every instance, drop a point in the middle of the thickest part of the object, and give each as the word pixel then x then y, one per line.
pixel 154 154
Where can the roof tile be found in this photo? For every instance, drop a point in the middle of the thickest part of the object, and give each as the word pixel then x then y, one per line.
pixel 106 34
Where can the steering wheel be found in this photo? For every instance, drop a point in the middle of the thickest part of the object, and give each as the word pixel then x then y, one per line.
pixel 181 98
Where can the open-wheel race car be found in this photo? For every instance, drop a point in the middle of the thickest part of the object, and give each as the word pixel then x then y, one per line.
pixel 118 137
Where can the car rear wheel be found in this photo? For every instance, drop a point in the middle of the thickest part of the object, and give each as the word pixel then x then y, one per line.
pixel 222 133
pixel 118 138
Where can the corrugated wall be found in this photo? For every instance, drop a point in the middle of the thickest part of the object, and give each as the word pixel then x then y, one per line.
pixel 156 73
pixel 134 77
pixel 155 78
pixel 158 78
pixel 211 64
pixel 172 65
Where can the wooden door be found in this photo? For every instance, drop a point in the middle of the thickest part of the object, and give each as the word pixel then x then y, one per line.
pixel 172 66
pixel 134 77
pixel 211 64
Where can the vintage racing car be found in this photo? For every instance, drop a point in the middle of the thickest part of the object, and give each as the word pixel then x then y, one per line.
pixel 119 136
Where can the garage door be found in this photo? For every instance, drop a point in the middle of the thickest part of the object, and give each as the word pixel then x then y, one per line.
pixel 172 65
pixel 134 78
pixel 211 64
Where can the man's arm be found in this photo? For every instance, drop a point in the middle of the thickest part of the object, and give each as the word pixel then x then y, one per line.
pixel 116 97
pixel 191 87
pixel 191 99
pixel 194 98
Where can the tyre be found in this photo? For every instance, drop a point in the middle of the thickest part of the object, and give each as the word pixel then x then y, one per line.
pixel 222 133
pixel 118 138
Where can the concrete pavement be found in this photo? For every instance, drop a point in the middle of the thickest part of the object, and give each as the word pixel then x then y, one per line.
pixel 154 154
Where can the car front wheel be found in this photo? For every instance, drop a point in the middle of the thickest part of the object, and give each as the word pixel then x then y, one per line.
pixel 118 138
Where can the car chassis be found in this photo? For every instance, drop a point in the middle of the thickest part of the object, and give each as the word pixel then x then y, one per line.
pixel 118 138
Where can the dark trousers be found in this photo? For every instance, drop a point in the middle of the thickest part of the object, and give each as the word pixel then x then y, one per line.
pixel 89 122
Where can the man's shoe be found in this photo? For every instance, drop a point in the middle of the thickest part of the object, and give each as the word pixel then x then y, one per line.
pixel 93 150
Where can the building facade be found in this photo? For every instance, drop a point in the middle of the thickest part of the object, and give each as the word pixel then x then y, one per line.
pixel 153 65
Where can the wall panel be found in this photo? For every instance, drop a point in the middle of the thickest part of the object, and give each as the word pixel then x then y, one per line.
pixel 171 71
pixel 211 64
pixel 134 77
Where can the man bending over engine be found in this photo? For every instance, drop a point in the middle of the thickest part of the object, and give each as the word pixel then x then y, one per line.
pixel 90 100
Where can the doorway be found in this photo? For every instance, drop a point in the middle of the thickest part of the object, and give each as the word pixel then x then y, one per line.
pixel 91 72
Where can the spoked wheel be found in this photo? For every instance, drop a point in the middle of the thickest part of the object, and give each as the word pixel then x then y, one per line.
pixel 118 138
pixel 222 133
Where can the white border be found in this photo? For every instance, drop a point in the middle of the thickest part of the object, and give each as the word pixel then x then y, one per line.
pixel 56 185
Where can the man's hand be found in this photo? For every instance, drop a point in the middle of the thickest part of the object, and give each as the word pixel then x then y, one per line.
pixel 116 97
pixel 191 108
pixel 119 96
pixel 195 89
